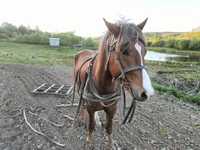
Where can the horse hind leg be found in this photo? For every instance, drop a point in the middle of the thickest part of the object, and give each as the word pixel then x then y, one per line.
pixel 84 117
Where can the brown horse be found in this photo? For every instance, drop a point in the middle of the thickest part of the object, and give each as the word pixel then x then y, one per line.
pixel 120 59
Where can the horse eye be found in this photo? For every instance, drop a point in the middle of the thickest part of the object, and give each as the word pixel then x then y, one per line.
pixel 125 48
pixel 125 52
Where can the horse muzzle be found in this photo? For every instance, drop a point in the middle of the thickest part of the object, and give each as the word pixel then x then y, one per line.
pixel 139 95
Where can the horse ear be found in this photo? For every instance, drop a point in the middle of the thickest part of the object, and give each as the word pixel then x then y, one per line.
pixel 142 24
pixel 113 28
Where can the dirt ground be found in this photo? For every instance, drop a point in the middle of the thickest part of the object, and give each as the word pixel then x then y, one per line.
pixel 160 123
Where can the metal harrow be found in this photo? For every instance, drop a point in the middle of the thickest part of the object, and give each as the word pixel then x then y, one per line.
pixel 53 89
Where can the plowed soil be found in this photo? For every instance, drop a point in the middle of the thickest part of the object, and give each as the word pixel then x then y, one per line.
pixel 160 123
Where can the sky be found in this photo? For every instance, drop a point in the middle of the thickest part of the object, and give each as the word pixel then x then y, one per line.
pixel 84 17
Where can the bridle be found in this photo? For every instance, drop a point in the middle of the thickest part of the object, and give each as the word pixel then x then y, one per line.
pixel 122 77
pixel 123 70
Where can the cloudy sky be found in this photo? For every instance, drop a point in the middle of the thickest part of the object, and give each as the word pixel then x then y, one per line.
pixel 84 17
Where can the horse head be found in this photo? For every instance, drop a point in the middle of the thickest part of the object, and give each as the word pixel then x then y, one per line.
pixel 126 45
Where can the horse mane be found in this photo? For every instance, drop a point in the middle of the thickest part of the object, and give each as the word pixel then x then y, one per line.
pixel 129 31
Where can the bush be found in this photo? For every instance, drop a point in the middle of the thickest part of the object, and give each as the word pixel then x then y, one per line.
pixel 24 30
pixel 149 43
pixel 182 44
pixel 194 44
pixel 190 40
pixel 89 43
pixel 159 43
pixel 7 30
pixel 68 39
pixel 4 36
pixel 170 43
pixel 33 38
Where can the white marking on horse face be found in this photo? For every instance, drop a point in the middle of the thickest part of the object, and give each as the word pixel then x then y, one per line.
pixel 147 83
pixel 139 49
pixel 146 80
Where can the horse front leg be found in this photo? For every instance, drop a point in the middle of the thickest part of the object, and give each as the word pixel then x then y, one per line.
pixel 91 126
pixel 110 112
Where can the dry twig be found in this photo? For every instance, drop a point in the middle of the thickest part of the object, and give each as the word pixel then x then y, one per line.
pixel 70 118
pixel 40 133
pixel 67 105
pixel 51 122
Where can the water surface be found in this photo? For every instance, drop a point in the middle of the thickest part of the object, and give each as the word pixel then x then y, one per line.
pixel 185 56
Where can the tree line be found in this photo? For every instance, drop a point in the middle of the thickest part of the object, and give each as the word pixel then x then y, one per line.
pixel 184 41
pixel 24 34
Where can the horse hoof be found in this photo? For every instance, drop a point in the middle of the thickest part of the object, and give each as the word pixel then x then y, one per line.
pixel 108 142
pixel 88 139
pixel 109 146
pixel 88 146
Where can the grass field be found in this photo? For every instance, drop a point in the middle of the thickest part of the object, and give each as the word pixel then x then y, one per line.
pixel 34 54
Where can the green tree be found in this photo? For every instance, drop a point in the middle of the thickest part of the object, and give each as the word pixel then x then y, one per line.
pixel 89 43
pixel 8 29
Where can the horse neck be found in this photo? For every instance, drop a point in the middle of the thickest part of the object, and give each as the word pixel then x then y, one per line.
pixel 103 79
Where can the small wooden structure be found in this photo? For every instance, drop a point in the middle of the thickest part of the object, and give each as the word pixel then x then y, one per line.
pixel 54 42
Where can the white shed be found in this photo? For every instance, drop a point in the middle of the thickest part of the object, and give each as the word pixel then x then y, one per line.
pixel 54 42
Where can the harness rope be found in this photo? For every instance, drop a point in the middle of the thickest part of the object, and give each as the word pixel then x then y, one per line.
pixel 88 91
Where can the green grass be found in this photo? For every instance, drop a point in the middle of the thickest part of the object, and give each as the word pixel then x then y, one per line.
pixel 34 54
pixel 177 93
pixel 187 71
pixel 184 72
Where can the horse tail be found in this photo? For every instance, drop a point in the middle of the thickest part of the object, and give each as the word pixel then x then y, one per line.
pixel 75 78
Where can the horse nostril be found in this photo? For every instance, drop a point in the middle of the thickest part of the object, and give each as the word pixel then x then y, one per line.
pixel 144 95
